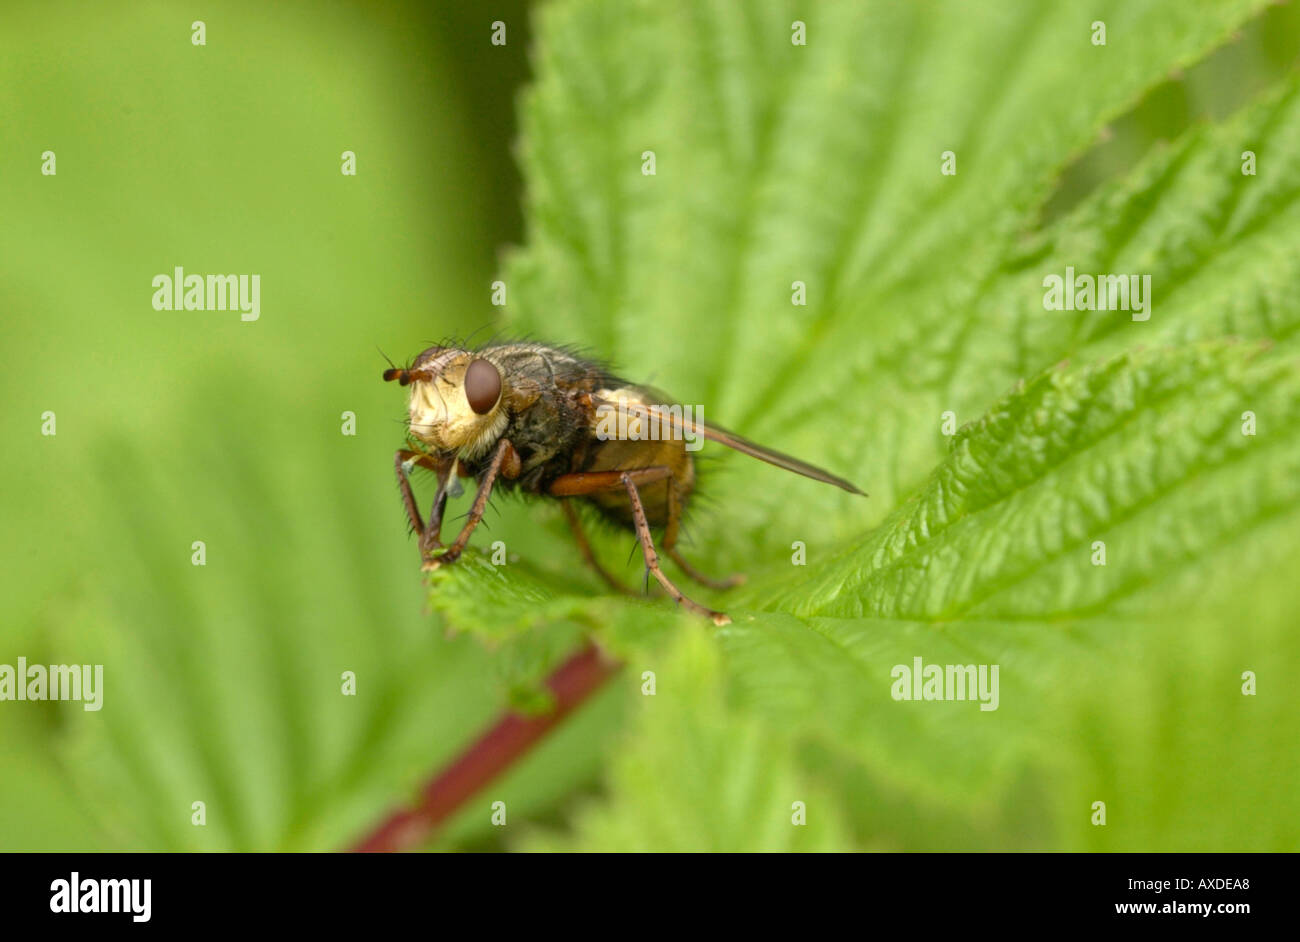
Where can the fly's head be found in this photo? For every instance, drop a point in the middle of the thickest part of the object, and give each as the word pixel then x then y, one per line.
pixel 457 400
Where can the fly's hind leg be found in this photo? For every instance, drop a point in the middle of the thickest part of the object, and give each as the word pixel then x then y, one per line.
pixel 691 572
pixel 584 548
pixel 652 558
pixel 580 483
pixel 670 546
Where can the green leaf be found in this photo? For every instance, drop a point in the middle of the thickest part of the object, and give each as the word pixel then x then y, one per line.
pixel 701 776
pixel 1119 683
pixel 994 563
pixel 779 163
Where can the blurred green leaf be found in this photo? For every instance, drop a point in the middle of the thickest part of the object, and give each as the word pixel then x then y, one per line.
pixel 223 683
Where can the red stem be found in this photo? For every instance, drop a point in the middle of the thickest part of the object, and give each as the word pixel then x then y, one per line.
pixel 505 742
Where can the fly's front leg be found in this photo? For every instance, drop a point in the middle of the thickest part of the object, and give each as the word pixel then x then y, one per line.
pixel 403 461
pixel 400 465
pixel 431 538
pixel 505 457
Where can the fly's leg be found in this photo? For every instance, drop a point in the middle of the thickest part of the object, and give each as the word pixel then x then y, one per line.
pixel 652 558
pixel 400 460
pixel 506 455
pixel 589 482
pixel 430 535
pixel 728 583
pixel 584 548
pixel 431 538
pixel 670 545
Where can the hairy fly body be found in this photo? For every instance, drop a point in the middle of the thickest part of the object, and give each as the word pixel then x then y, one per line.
pixel 528 417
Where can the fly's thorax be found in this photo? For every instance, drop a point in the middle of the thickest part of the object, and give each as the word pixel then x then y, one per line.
pixel 444 407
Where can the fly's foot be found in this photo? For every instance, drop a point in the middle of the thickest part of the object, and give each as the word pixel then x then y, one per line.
pixel 718 618
pixel 432 561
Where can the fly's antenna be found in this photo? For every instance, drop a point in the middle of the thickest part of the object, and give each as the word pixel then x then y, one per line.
pixel 395 372
pixel 406 377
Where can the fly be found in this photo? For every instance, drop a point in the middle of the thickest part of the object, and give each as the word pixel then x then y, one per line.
pixel 539 419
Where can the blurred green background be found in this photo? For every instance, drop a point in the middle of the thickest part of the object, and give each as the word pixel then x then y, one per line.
pixel 222 681
pixel 181 426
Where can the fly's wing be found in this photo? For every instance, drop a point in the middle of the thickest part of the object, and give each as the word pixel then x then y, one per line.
pixel 650 405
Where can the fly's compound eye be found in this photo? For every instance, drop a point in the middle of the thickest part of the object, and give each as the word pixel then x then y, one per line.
pixel 482 386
